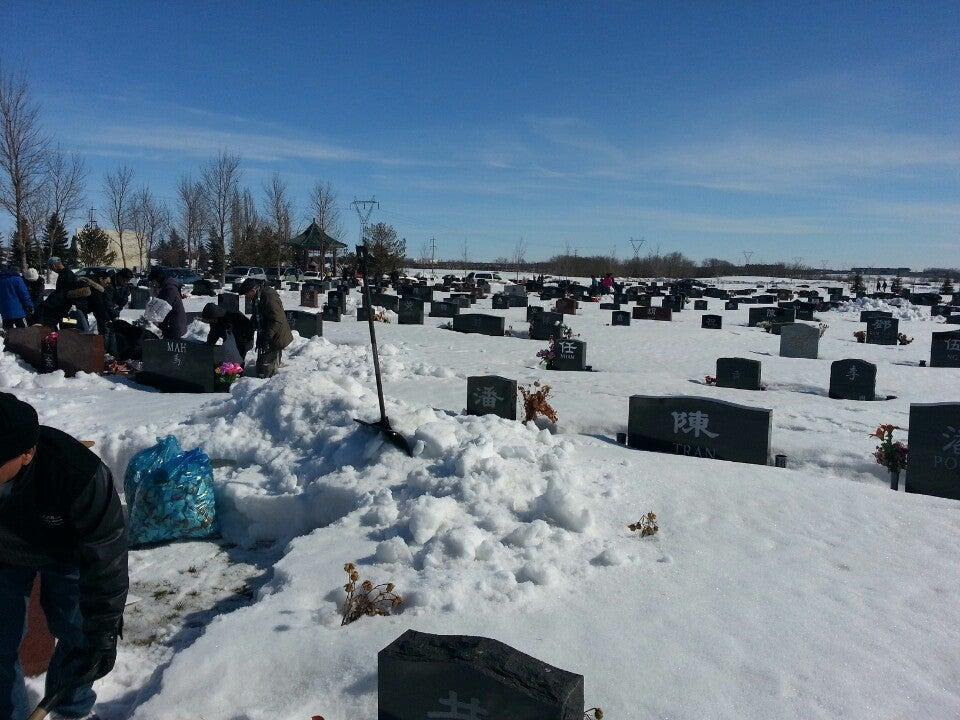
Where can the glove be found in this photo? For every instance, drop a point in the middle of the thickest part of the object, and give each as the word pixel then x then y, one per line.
pixel 91 661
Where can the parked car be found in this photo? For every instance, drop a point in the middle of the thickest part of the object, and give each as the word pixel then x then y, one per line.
pixel 95 270
pixel 184 276
pixel 289 274
pixel 242 272
pixel 311 275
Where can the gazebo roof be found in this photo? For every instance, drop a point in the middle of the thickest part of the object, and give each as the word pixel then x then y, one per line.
pixel 313 238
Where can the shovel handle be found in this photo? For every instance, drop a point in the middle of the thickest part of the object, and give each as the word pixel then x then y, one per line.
pixel 39 714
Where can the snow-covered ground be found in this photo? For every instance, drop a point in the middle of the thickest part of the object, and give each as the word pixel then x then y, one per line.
pixel 810 592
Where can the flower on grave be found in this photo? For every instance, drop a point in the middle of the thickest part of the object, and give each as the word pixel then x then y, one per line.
pixel 892 455
pixel 861 336
pixel 710 380
pixel 50 341
pixel 548 354
pixel 903 339
pixel 229 369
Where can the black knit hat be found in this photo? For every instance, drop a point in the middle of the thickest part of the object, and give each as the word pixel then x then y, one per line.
pixel 248 285
pixel 212 311
pixel 19 427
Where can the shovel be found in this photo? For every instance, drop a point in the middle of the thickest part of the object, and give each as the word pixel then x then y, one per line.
pixel 383 424
pixel 46 705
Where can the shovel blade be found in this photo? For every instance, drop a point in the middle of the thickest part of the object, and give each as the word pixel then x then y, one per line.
pixel 390 435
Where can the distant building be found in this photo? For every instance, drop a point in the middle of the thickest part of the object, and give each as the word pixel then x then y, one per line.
pixel 131 249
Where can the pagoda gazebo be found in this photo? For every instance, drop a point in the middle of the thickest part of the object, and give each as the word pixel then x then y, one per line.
pixel 313 241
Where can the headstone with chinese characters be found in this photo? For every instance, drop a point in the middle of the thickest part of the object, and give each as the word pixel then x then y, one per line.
pixel 421 676
pixel 700 304
pixel 933 463
pixel 738 373
pixel 492 395
pixel 620 318
pixel 700 427
pixel 664 314
pixel 569 355
pixel 799 341
pixel 180 365
pixel 771 314
pixel 675 303
pixel 139 296
pixel 731 305
pixel 882 331
pixel 500 302
pixel 444 309
pixel 77 352
pixel 229 301
pixel 307 324
pixel 332 313
pixel 945 349
pixel 309 297
pixel 410 311
pixel 853 379
pixel 479 323
pixel 711 322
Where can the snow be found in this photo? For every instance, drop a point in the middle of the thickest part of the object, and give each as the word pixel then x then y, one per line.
pixel 813 591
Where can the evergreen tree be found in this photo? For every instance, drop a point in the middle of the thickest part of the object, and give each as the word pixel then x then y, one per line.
pixel 54 241
pixel 387 251
pixel 216 254
pixel 94 247
pixel 857 286
pixel 72 256
pixel 896 287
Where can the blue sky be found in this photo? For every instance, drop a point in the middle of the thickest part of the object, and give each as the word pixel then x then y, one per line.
pixel 818 131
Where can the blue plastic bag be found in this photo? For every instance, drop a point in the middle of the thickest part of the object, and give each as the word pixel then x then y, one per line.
pixel 173 495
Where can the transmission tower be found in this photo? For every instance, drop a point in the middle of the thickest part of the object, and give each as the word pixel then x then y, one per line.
pixel 747 254
pixel 637 244
pixel 364 210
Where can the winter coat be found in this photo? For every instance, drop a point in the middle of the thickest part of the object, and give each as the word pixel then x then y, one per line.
pixel 68 292
pixel 174 326
pixel 273 330
pixel 63 508
pixel 238 324
pixel 37 289
pixel 607 282
pixel 119 296
pixel 15 302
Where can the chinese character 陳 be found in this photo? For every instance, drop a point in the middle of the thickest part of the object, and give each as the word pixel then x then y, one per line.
pixel 693 422
pixel 458 710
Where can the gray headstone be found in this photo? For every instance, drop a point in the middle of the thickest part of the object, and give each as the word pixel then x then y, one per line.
pixel 933 463
pixel 457 677
pixel 492 395
pixel 229 301
pixel 444 309
pixel 945 349
pixel 882 331
pixel 310 297
pixel 306 323
pixel 478 323
pixel 738 373
pixel 699 427
pixel 410 311
pixel 711 322
pixel 653 313
pixel 620 317
pixel 799 341
pixel 570 355
pixel 853 379
pixel 180 365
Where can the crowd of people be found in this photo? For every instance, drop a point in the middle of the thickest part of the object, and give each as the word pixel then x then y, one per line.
pixel 104 294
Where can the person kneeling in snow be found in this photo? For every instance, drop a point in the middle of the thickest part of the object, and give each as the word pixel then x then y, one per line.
pixel 273 330
pixel 126 339
pixel 61 518
pixel 234 328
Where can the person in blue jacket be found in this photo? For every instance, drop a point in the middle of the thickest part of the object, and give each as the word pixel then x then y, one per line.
pixel 15 302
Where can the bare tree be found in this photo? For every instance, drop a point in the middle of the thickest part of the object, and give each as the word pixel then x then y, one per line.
pixel 118 192
pixel 22 152
pixel 323 205
pixel 219 179
pixel 424 257
pixel 65 181
pixel 278 208
pixel 465 253
pixel 150 221
pixel 191 214
pixel 246 227
pixel 519 255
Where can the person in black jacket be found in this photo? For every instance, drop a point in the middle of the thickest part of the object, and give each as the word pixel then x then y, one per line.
pixel 223 323
pixel 67 293
pixel 61 518
pixel 120 288
pixel 165 287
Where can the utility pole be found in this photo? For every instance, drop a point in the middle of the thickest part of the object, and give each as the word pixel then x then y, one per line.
pixel 433 256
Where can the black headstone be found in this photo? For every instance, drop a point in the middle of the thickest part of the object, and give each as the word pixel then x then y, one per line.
pixel 933 463
pixel 229 301
pixel 569 355
pixel 545 325
pixel 500 302
pixel 139 297
pixel 478 323
pixel 410 311
pixel 882 331
pixel 77 352
pixel 870 314
pixel 492 395
pixel 700 305
pixel 332 313
pixel 387 302
pixel 180 365
pixel 738 373
pixel 699 427
pixel 458 677
pixel 306 323
pixel 731 305
pixel 620 317
pixel 653 313
pixel 945 349
pixel 853 379
pixel 443 309
pixel 712 322
pixel 310 297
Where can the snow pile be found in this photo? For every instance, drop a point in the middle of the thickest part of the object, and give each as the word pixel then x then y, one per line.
pixel 900 308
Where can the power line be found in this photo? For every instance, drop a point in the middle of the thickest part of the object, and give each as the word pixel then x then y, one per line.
pixel 364 210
